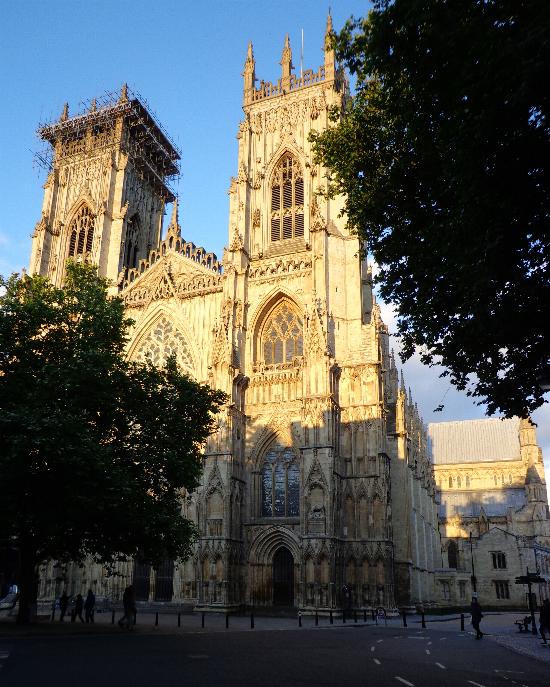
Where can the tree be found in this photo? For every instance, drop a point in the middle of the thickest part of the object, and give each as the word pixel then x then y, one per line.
pixel 443 157
pixel 96 451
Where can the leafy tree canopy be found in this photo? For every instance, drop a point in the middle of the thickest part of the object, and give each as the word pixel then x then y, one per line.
pixel 96 451
pixel 443 156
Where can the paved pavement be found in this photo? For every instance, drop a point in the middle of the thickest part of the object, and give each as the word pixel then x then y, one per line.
pixel 343 655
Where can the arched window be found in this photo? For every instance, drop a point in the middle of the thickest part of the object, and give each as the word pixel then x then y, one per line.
pixel 452 553
pixel 280 484
pixel 282 335
pixel 81 233
pixel 287 199
pixel 132 242
pixel 459 482
pixel 450 482
pixel 467 481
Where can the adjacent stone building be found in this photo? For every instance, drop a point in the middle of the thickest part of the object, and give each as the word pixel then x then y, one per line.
pixel 493 510
pixel 318 475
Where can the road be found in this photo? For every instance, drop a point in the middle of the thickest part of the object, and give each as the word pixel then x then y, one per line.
pixel 323 657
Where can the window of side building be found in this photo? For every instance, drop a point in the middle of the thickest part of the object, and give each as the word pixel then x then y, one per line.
pixel 502 589
pixel 499 560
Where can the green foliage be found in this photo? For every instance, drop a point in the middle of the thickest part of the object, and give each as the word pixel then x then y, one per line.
pixel 443 156
pixel 96 451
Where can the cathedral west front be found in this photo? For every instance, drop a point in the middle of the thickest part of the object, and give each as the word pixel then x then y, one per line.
pixel 318 478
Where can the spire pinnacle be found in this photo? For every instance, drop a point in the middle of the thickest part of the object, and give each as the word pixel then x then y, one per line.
pixel 64 113
pixel 123 93
pixel 329 49
pixel 93 105
pixel 249 75
pixel 286 63
pixel 174 228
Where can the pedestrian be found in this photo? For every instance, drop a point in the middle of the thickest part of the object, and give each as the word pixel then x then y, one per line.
pixel 63 605
pixel 79 607
pixel 89 606
pixel 477 615
pixel 544 619
pixel 129 603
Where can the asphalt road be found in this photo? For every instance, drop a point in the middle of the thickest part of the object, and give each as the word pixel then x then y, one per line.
pixel 324 657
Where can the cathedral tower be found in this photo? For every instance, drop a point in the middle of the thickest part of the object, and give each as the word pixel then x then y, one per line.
pixel 106 188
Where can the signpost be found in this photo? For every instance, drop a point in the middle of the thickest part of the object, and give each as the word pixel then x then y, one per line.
pixel 529 579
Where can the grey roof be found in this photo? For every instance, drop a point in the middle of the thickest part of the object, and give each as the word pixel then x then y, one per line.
pixel 468 504
pixel 473 441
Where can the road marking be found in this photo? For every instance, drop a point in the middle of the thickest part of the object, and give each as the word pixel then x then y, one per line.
pixel 416 637
pixel 4 654
pixel 405 682
pixel 429 643
pixel 441 666
pixel 476 684
pixel 376 661
pixel 428 651
pixel 442 638
pixel 372 648
pixel 380 640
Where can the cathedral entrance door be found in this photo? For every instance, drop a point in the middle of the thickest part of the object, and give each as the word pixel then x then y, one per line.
pixel 283 578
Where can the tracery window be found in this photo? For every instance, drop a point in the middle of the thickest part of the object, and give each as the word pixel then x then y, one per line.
pixel 280 484
pixel 81 233
pixel 282 335
pixel 287 199
pixel 162 341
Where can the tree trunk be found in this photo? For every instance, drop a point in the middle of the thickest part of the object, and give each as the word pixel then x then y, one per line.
pixel 28 585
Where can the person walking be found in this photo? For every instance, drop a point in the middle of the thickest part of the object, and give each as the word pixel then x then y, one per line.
pixel 477 615
pixel 544 619
pixel 79 607
pixel 89 606
pixel 129 603
pixel 63 605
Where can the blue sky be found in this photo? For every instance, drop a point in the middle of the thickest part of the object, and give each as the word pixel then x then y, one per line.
pixel 186 59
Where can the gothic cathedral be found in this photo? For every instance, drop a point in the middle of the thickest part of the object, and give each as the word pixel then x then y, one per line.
pixel 317 487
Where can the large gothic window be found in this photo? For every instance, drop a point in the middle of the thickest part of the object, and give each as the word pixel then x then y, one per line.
pixel 287 200
pixel 162 341
pixel 282 337
pixel 280 484
pixel 81 233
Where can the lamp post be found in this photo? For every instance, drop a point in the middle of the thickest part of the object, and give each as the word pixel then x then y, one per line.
pixel 473 577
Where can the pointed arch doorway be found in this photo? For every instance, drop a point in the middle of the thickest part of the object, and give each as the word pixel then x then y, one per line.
pixel 283 577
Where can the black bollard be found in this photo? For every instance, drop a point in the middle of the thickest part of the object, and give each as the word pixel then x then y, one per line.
pixel 316 618
pixel 343 615
pixel 331 618
pixel 299 619
pixel 53 612
pixel 179 619
pixel 252 620
pixel 202 620
pixel 373 615
pixel 156 619
pixel 364 615
pixel 423 621
pixel 404 619
pixel 355 616
pixel 113 617
pixel 462 622
pixel 226 621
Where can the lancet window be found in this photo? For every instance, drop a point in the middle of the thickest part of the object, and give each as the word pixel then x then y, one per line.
pixel 132 242
pixel 162 341
pixel 287 199
pixel 280 484
pixel 282 337
pixel 81 233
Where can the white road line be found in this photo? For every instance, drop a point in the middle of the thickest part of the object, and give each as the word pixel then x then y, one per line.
pixel 429 643
pixel 4 654
pixel 380 640
pixel 405 682
pixel 476 684
pixel 442 638
pixel 416 637
pixel 376 661
pixel 372 648
pixel 440 665
pixel 428 651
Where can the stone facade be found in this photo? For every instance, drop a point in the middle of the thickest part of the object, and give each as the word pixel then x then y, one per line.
pixel 494 518
pixel 320 450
